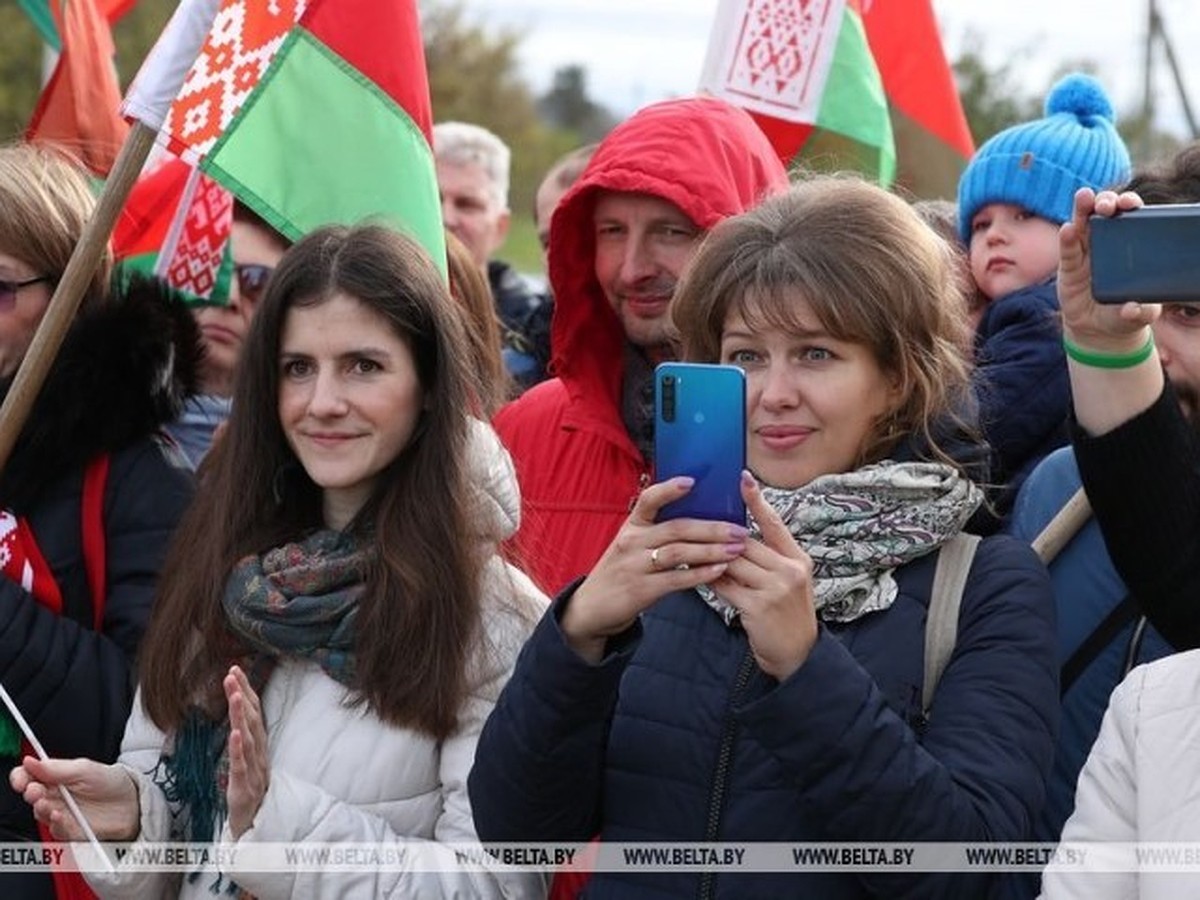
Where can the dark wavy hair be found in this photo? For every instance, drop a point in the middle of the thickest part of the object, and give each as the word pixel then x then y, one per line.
pixel 419 616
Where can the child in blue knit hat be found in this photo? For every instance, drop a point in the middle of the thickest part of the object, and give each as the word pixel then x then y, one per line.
pixel 1015 193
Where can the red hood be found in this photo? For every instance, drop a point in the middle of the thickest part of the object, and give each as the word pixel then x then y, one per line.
pixel 708 158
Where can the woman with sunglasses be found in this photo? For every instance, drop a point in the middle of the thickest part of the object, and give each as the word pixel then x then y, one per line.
pixel 256 248
pixel 88 498
pixel 334 621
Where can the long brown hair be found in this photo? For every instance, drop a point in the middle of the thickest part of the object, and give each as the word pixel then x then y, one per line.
pixel 470 288
pixel 873 274
pixel 419 615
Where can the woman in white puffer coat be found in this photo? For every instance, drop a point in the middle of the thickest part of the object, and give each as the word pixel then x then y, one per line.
pixel 1139 787
pixel 341 564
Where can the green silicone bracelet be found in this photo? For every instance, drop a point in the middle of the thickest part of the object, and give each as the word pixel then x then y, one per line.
pixel 1109 360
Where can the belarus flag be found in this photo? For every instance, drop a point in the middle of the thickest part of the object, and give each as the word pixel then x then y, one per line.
pixel 176 224
pixel 836 84
pixel 78 107
pixel 310 113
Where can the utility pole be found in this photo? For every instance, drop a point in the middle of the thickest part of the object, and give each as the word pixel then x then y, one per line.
pixel 1157 31
pixel 1148 80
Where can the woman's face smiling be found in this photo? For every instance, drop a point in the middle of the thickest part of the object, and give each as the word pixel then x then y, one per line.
pixel 811 400
pixel 349 398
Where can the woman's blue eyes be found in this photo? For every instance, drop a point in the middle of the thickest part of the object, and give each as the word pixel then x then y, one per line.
pixel 814 354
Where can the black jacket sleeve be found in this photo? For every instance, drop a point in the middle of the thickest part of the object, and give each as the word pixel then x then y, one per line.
pixel 1143 481
pixel 73 684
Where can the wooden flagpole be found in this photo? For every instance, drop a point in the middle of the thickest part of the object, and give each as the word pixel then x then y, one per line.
pixel 64 304
pixel 1064 526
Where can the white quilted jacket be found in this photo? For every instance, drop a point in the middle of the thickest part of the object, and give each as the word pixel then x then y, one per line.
pixel 338 774
pixel 1141 783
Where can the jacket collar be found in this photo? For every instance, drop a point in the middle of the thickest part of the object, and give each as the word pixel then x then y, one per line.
pixel 122 372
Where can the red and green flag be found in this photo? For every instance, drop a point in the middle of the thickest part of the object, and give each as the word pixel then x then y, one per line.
pixel 176 224
pixel 79 106
pixel 837 84
pixel 309 113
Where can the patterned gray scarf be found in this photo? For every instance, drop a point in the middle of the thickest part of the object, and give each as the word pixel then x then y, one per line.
pixel 860 525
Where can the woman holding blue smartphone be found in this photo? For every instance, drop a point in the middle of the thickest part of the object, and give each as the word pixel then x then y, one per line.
pixel 712 682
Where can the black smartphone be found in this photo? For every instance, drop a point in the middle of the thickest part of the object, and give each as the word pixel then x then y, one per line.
pixel 700 430
pixel 1150 254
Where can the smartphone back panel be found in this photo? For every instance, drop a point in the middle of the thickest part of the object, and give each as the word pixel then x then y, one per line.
pixel 700 430
pixel 1150 254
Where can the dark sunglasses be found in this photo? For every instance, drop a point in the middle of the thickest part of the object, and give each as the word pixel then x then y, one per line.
pixel 8 290
pixel 252 280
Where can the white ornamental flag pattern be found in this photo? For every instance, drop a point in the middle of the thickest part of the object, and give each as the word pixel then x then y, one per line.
pixel 773 56
pixel 13 563
pixel 244 39
pixel 192 255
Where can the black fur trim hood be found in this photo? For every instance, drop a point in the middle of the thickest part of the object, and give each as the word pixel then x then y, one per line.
pixel 122 372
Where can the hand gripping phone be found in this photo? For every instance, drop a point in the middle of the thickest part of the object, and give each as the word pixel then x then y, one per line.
pixel 1150 254
pixel 700 430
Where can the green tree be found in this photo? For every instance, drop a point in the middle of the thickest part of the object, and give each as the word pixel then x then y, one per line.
pixel 474 76
pixel 20 70
pixel 992 101
pixel 567 105
pixel 136 33
pixel 990 98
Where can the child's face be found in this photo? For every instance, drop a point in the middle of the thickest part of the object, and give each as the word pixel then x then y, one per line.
pixel 1011 248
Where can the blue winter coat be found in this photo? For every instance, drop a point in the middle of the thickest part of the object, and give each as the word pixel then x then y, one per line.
pixel 677 736
pixel 1021 384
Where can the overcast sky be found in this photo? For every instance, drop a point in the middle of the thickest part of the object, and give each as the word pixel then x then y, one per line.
pixel 638 51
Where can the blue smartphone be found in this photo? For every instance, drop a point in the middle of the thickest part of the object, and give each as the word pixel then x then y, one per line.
pixel 700 430
pixel 1150 254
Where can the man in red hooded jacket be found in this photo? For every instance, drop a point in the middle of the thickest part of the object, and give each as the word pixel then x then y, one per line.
pixel 583 441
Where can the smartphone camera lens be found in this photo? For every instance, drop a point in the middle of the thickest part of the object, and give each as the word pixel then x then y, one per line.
pixel 668 398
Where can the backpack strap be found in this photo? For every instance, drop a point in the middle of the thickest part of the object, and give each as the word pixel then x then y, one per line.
pixel 71 885
pixel 1101 636
pixel 1059 531
pixel 941 620
pixel 95 559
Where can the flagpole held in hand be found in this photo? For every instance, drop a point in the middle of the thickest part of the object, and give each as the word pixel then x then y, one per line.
pixel 66 795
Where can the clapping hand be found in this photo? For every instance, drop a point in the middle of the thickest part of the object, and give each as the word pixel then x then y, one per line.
pixel 249 765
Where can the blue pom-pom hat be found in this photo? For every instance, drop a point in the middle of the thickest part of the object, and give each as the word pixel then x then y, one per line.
pixel 1041 164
